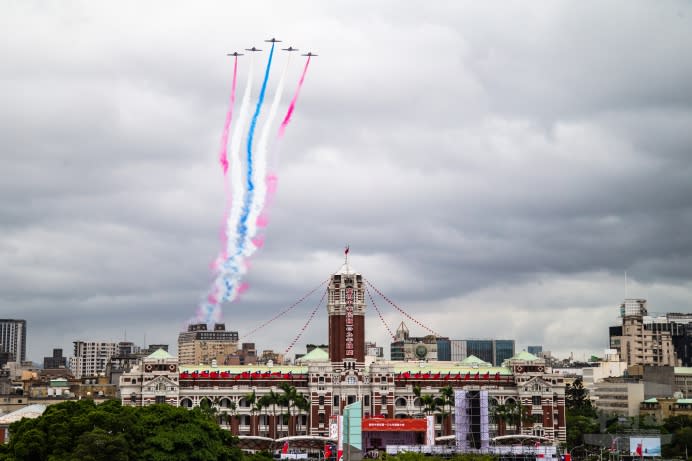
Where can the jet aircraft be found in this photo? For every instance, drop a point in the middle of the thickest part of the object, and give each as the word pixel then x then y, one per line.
pixel 235 53
pixel 310 53
pixel 272 40
pixel 253 49
pixel 290 48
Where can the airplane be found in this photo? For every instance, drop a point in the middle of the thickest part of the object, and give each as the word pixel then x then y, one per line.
pixel 272 40
pixel 235 53
pixel 253 49
pixel 310 53
pixel 290 48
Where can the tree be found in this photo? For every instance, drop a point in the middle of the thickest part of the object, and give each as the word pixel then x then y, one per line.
pixel 577 399
pixel 447 394
pixel 416 393
pixel 86 431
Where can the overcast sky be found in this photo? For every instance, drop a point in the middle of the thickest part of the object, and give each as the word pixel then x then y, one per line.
pixel 495 167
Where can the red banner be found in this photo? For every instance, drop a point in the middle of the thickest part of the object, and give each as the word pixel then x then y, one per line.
pixel 394 425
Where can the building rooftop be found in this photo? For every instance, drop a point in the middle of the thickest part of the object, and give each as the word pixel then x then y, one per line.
pixel 315 355
pixel 472 360
pixel 31 411
pixel 160 354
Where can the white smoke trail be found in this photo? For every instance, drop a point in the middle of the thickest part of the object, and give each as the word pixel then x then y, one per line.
pixel 260 170
pixel 232 268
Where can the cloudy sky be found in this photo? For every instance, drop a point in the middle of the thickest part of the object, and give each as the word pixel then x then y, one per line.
pixel 495 167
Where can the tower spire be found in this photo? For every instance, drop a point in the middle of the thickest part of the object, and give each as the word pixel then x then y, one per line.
pixel 346 250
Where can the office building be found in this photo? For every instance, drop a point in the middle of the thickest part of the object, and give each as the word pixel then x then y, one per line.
pixel 56 361
pixel 202 346
pixel 641 339
pixel 13 339
pixel 90 358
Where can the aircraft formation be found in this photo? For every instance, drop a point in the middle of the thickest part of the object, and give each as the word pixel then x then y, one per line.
pixel 272 41
pixel 249 175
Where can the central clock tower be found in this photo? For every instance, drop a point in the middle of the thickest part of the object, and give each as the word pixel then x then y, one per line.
pixel 346 309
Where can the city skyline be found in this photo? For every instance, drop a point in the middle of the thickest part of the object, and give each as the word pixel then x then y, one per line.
pixel 495 167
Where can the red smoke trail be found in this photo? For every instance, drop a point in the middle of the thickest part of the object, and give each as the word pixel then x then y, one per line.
pixel 292 106
pixel 223 160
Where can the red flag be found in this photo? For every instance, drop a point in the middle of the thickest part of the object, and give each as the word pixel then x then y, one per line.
pixel 447 376
pixel 346 249
pixel 497 376
pixel 327 451
pixel 437 376
pixel 486 375
pixel 407 374
pixel 468 376
pixel 284 449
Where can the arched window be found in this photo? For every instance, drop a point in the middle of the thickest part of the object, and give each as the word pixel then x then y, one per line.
pixel 400 402
pixel 186 403
pixel 320 400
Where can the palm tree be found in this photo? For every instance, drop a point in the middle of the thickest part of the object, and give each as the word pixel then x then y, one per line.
pixel 303 405
pixel 429 403
pixel 290 396
pixel 447 394
pixel 234 411
pixel 272 399
pixel 416 393
pixel 251 399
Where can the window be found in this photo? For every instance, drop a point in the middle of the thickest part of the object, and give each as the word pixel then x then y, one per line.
pixel 320 400
pixel 336 400
pixel 160 399
pixel 366 400
pixel 321 418
pixel 536 400
pixel 383 400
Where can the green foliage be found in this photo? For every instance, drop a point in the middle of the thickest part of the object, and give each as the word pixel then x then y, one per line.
pixel 577 426
pixel 577 400
pixel 110 432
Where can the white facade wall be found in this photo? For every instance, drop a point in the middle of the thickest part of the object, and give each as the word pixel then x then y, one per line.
pixel 90 357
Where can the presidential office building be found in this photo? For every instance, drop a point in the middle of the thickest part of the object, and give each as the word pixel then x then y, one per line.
pixel 320 384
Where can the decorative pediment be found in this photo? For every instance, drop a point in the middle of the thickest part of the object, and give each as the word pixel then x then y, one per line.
pixel 537 385
pixel 161 381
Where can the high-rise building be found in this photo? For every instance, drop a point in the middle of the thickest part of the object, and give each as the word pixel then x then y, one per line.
pixel 444 349
pixel 13 338
pixel 643 340
pixel 503 349
pixel 56 361
pixel 372 349
pixel 91 357
pixel 198 345
pixel 494 351
pixel 535 350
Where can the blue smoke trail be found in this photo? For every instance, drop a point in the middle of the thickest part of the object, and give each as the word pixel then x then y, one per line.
pixel 249 195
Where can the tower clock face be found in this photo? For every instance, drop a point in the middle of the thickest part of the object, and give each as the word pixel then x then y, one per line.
pixel 421 351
